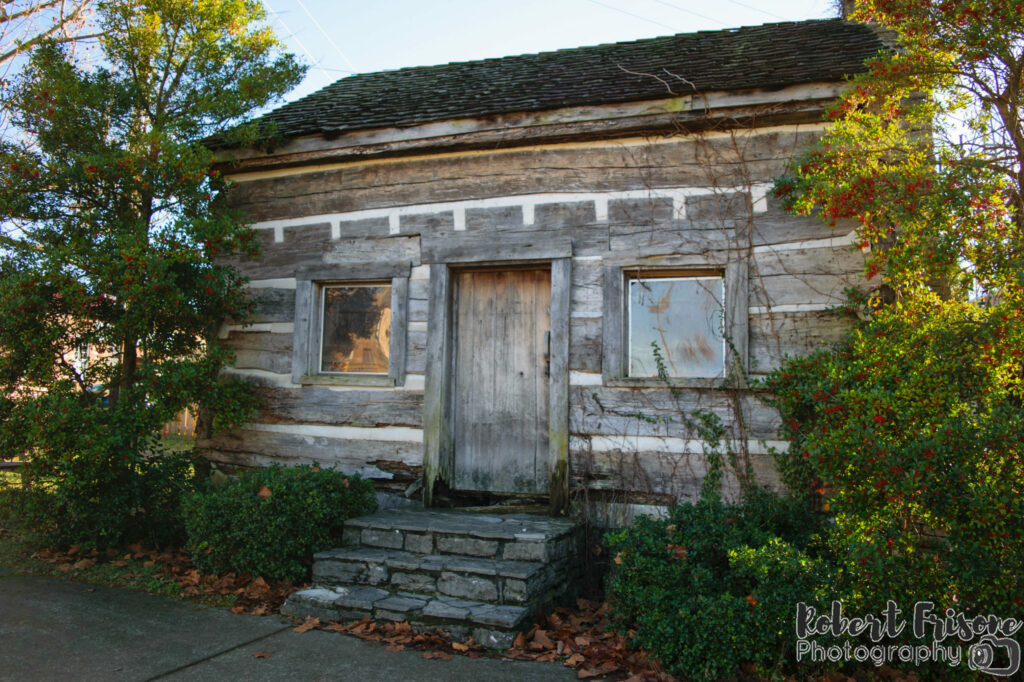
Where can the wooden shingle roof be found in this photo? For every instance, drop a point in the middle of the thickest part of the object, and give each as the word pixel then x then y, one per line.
pixel 769 56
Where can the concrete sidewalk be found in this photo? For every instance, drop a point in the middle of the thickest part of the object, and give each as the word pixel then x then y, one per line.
pixel 56 630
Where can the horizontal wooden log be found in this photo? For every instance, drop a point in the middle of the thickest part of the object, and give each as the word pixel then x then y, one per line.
pixel 777 227
pixel 587 287
pixel 273 305
pixel 732 113
pixel 656 239
pixel 427 222
pixel 482 247
pixel 585 344
pixel 495 218
pixel 404 249
pixel 678 475
pixel 261 350
pixel 381 476
pixel 303 245
pixel 822 260
pixel 365 227
pixel 419 289
pixel 318 405
pixel 416 354
pixel 418 309
pixel 775 335
pixel 686 162
pixel 293 448
pixel 599 410
pixel 778 290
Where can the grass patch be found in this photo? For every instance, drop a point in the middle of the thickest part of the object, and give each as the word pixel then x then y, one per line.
pixel 132 568
pixel 176 443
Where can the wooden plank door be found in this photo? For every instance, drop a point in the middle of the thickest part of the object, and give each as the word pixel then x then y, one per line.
pixel 500 401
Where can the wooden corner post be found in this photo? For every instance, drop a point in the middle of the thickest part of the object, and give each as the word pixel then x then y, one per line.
pixel 558 386
pixel 438 454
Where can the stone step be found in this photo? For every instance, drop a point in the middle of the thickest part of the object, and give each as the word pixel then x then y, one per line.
pixel 490 625
pixel 515 537
pixel 474 575
pixel 491 580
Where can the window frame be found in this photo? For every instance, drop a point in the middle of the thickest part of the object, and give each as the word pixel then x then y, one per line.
pixel 318 335
pixel 679 275
pixel 310 284
pixel 615 322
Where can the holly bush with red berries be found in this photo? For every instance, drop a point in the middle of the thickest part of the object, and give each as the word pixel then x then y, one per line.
pixel 113 219
pixel 925 149
pixel 911 432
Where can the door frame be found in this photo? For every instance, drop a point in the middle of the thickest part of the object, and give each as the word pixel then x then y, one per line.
pixel 438 426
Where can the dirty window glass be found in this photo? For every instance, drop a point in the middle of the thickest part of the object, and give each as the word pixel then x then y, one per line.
pixel 683 316
pixel 356 324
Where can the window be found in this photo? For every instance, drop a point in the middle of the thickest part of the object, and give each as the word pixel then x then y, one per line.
pixel 350 324
pixel 355 324
pixel 696 318
pixel 682 317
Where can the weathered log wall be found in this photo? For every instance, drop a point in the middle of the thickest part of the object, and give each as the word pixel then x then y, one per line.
pixel 697 201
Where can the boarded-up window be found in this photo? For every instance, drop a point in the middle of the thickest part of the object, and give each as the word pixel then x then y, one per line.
pixel 356 324
pixel 682 315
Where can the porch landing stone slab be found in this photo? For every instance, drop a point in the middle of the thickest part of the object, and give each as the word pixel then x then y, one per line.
pixel 497 526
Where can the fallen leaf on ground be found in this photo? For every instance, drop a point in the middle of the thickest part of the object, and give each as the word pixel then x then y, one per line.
pixel 307 625
pixel 459 646
pixel 264 492
pixel 575 660
pixel 83 564
pixel 439 655
pixel 542 641
pixel 261 654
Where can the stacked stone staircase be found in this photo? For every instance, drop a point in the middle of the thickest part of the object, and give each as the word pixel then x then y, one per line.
pixel 475 575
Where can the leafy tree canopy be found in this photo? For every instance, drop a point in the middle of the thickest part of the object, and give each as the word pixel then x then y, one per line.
pixel 912 429
pixel 113 220
pixel 929 144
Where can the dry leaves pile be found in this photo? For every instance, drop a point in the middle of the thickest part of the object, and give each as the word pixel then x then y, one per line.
pixel 253 595
pixel 577 638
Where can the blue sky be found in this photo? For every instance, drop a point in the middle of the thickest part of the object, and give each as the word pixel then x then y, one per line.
pixel 339 37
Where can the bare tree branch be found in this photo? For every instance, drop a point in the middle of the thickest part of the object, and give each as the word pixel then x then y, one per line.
pixel 26 23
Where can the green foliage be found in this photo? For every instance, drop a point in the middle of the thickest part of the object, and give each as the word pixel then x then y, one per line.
pixel 911 430
pixel 914 429
pixel 714 585
pixel 270 521
pixel 926 147
pixel 95 486
pixel 115 232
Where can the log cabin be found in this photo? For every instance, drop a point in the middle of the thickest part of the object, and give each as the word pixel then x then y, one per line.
pixel 525 277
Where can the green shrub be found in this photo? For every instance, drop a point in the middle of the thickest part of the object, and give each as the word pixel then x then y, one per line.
pixel 913 427
pixel 270 521
pixel 96 481
pixel 716 585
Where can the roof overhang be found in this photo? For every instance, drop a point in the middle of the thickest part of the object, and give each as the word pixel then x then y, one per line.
pixel 671 115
